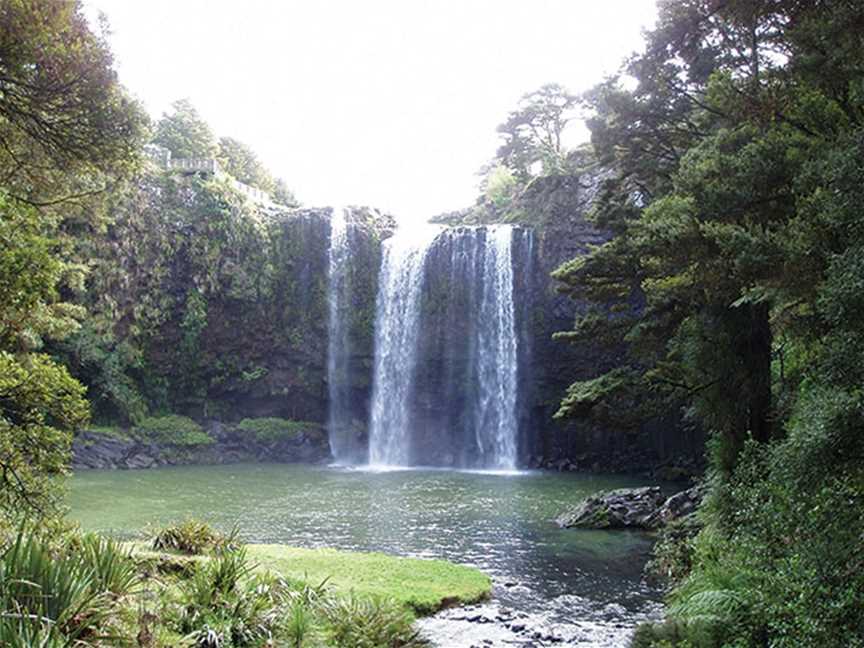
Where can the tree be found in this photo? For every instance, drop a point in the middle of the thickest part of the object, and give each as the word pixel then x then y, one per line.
pixel 500 186
pixel 283 195
pixel 185 133
pixel 241 162
pixel 65 122
pixel 40 403
pixel 67 129
pixel 533 132
pixel 709 150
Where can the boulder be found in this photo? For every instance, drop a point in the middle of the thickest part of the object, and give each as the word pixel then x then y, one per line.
pixel 617 509
pixel 639 508
pixel 681 504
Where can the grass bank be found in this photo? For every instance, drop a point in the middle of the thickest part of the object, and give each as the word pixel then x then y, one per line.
pixel 423 586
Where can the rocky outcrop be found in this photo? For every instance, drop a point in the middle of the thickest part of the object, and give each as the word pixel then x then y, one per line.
pixel 639 508
pixel 230 445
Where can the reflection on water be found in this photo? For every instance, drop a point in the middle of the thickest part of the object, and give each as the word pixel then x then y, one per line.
pixel 500 523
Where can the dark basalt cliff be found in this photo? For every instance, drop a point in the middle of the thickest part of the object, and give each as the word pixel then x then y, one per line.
pixel 223 309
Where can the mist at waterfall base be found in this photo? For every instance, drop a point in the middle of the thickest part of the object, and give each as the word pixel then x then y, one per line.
pixel 447 352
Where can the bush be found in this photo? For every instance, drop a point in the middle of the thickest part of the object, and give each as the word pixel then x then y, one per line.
pixel 672 556
pixel 112 567
pixel 173 430
pixel 223 605
pixel 195 537
pixel 354 622
pixel 779 561
pixel 271 430
pixel 49 598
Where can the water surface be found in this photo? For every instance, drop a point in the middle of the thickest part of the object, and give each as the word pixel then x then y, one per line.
pixel 583 587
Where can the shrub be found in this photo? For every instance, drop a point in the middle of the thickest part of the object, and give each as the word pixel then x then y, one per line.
pixel 173 430
pixel 112 567
pixel 779 561
pixel 223 606
pixel 672 556
pixel 354 622
pixel 270 430
pixel 47 599
pixel 195 537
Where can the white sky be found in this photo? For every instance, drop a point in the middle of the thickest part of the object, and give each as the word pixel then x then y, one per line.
pixel 390 103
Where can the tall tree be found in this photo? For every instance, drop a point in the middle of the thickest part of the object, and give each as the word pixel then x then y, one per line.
pixel 709 149
pixel 66 124
pixel 67 129
pixel 533 133
pixel 183 132
pixel 241 162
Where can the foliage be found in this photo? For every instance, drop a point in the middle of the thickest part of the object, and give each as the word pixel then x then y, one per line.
pixel 40 404
pixel 185 133
pixel 66 128
pixel 533 132
pixel 189 291
pixel 195 537
pixel 241 162
pixel 500 186
pixel 735 204
pixel 111 565
pixel 31 273
pixel 269 430
pixel 173 430
pixel 229 601
pixel 672 555
pixel 107 366
pixel 355 622
pixel 65 121
pixel 60 596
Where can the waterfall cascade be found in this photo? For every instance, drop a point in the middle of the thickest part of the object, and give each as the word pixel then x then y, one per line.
pixel 338 352
pixel 497 359
pixel 397 323
pixel 446 384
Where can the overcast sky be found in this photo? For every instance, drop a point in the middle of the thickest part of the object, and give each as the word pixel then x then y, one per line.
pixel 390 103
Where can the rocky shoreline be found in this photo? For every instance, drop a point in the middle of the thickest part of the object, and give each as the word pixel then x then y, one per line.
pixel 93 449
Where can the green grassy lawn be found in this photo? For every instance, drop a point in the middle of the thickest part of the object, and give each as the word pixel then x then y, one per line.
pixel 424 586
pixel 421 586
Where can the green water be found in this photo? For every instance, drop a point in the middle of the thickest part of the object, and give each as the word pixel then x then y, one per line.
pixel 502 524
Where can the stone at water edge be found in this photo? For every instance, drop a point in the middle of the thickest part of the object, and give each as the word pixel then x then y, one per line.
pixel 642 508
pixel 617 509
pixel 681 504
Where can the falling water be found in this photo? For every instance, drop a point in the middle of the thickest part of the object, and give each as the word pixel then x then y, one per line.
pixel 338 351
pixel 497 358
pixel 446 384
pixel 397 322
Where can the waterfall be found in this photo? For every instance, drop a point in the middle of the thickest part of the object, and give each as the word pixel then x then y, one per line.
pixel 338 329
pixel 447 356
pixel 397 322
pixel 497 358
